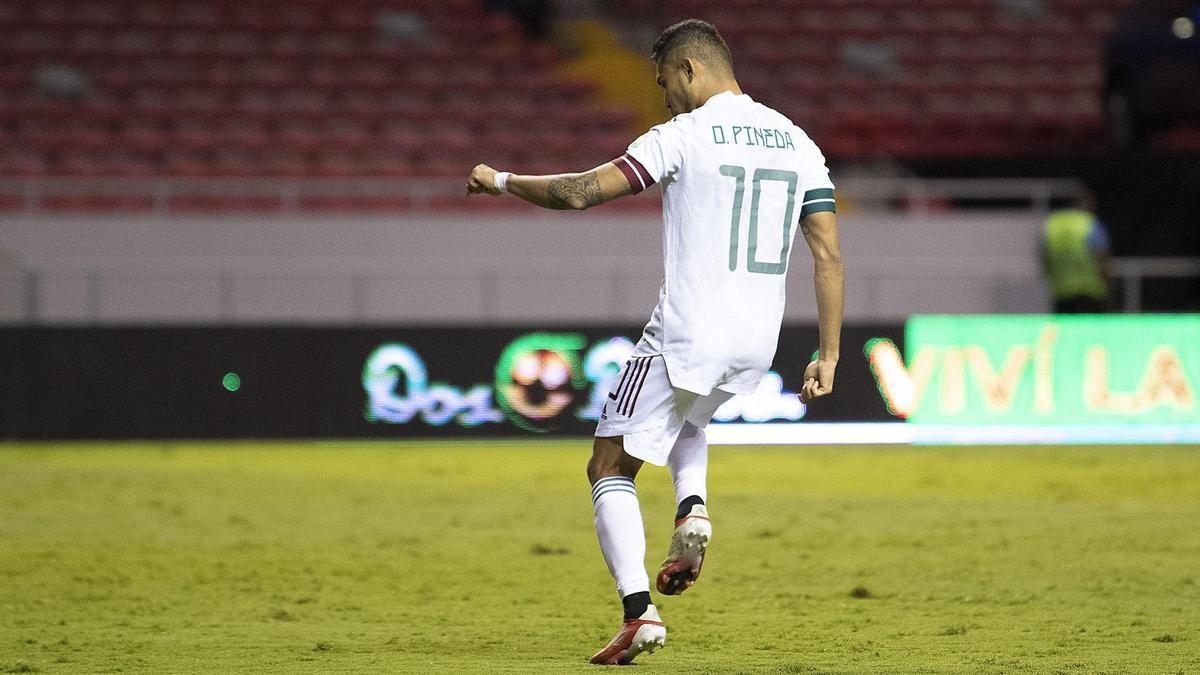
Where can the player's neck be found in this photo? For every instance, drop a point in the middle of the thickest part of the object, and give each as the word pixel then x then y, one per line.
pixel 720 87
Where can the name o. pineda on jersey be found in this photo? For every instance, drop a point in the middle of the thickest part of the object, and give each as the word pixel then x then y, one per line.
pixel 748 135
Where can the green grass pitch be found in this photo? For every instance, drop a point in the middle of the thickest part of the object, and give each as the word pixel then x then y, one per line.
pixel 481 558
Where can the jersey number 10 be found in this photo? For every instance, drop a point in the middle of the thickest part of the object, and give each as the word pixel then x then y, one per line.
pixel 752 263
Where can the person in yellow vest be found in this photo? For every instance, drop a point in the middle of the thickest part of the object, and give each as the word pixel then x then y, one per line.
pixel 1075 259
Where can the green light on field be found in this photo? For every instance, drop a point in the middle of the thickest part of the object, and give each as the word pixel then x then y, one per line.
pixel 231 382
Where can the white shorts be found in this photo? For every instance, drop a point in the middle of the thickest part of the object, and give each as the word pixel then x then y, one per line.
pixel 649 413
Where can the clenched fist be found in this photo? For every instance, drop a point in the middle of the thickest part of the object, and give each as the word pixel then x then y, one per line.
pixel 483 179
pixel 818 380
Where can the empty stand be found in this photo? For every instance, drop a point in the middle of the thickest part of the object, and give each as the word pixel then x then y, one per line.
pixel 310 88
pixel 403 88
pixel 925 78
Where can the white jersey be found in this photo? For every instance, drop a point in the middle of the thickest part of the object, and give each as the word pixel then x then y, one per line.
pixel 736 179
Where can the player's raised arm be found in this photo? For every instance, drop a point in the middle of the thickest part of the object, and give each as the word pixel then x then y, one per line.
pixel 560 191
pixel 821 233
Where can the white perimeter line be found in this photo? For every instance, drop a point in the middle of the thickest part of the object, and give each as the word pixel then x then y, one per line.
pixel 810 433
pixel 899 433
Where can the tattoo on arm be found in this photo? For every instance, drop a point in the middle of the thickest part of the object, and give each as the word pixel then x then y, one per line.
pixel 805 228
pixel 568 191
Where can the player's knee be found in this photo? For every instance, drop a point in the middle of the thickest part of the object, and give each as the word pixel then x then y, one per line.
pixel 603 462
pixel 609 459
pixel 597 469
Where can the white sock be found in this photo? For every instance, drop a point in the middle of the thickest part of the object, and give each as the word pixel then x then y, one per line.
pixel 621 534
pixel 689 463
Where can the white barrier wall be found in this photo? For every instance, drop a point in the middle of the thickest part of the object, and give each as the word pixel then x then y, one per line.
pixel 472 268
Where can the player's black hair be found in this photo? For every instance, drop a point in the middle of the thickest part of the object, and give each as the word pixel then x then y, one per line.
pixel 696 39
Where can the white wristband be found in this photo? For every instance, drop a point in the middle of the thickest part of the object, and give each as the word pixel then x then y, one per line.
pixel 501 180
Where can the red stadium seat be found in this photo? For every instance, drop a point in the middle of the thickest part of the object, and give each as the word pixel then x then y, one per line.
pixel 94 203
pixel 224 203
pixel 11 202
pixel 360 203
pixel 315 88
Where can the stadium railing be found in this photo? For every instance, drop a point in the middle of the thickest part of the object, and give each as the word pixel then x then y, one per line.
pixel 18 288
pixel 21 299
pixel 1131 272
pixel 161 195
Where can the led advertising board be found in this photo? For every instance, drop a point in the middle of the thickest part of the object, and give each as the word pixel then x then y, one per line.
pixel 366 382
pixel 1119 369
pixel 551 381
pixel 953 379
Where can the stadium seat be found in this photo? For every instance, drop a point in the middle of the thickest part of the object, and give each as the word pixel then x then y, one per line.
pixel 205 88
pixel 355 203
pixel 324 88
pixel 95 203
pixel 207 203
pixel 11 202
pixel 967 65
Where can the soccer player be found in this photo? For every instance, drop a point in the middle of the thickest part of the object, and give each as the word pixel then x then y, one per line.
pixel 737 178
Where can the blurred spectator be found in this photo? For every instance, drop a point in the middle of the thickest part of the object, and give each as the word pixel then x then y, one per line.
pixel 1028 8
pixel 61 81
pixel 874 58
pixel 1075 259
pixel 403 26
pixel 1153 81
pixel 534 16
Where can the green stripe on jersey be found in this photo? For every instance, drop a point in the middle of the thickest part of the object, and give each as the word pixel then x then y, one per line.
pixel 818 200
